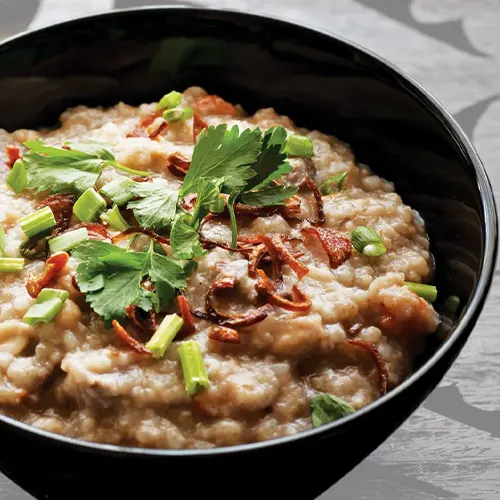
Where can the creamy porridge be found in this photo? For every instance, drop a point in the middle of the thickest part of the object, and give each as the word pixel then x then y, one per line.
pixel 144 314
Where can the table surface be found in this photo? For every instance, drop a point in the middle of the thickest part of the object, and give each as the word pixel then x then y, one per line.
pixel 450 448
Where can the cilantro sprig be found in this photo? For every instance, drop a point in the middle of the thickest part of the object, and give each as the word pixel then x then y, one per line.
pixel 112 277
pixel 76 169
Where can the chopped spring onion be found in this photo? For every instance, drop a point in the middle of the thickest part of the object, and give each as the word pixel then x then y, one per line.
pixel 170 100
pixel 299 145
pixel 2 242
pixel 193 367
pixel 11 265
pixel 119 190
pixel 333 184
pixel 427 292
pixel 326 408
pixel 68 240
pixel 367 241
pixel 163 337
pixel 89 205
pixel 17 178
pixel 452 304
pixel 176 114
pixel 37 222
pixel 48 304
pixel 114 218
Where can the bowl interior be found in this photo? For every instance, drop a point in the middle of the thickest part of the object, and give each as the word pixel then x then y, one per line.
pixel 319 81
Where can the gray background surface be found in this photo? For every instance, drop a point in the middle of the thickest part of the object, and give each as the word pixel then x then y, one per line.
pixel 450 448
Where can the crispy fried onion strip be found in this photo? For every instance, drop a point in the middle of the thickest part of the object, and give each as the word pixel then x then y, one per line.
pixel 188 327
pixel 13 154
pixel 145 322
pixel 337 247
pixel 233 321
pixel 214 105
pixel 125 235
pixel 319 201
pixel 224 334
pixel 62 208
pixel 379 361
pixel 297 302
pixel 284 254
pixel 198 125
pixel 178 164
pixel 142 128
pixel 95 231
pixel 53 267
pixel 128 340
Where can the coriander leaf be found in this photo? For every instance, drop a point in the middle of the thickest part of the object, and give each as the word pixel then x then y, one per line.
pixel 157 206
pixel 184 239
pixel 220 152
pixel 333 184
pixel 167 275
pixel 268 196
pixel 271 163
pixel 326 408
pixel 232 217
pixel 208 199
pixel 60 170
pixel 112 278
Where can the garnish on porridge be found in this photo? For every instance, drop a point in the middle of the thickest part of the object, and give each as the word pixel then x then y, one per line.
pixel 182 275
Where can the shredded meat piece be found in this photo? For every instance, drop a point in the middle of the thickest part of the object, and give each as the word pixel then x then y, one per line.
pixel 146 322
pixel 299 301
pixel 142 129
pixel 223 334
pixel 13 154
pixel 128 340
pixel 178 164
pixel 53 267
pixel 319 201
pixel 214 105
pixel 62 208
pixel 198 125
pixel 188 327
pixel 337 247
pixel 95 231
pixel 379 361
pixel 211 314
pixel 124 235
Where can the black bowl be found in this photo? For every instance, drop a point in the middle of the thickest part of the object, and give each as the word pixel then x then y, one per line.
pixel 322 82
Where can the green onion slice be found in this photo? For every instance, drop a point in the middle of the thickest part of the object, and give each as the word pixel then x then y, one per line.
pixel 88 206
pixel 333 184
pixel 68 240
pixel 367 241
pixel 193 367
pixel 37 222
pixel 119 190
pixel 168 329
pixel 170 100
pixel 299 145
pixel 176 114
pixel 17 178
pixel 114 218
pixel 2 242
pixel 452 304
pixel 427 292
pixel 48 304
pixel 11 265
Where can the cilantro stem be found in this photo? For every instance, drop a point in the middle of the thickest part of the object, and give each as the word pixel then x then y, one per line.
pixel 232 217
pixel 130 242
pixel 123 168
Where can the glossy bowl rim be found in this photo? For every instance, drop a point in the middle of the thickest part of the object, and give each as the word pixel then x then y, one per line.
pixel 487 202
